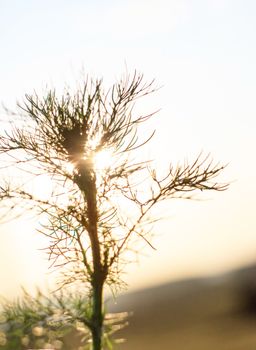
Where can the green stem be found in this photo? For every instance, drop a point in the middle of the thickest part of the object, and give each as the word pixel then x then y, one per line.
pixel 97 316
pixel 87 183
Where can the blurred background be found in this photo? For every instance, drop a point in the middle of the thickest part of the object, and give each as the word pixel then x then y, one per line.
pixel 202 54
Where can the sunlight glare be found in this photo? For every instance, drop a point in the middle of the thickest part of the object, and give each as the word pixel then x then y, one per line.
pixel 70 167
pixel 103 159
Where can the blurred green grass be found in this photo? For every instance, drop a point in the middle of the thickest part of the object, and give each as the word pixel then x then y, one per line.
pixel 197 314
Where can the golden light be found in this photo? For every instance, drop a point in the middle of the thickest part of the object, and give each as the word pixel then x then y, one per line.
pixel 103 159
pixel 69 167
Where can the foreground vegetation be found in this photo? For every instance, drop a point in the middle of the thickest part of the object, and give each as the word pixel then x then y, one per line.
pixel 95 213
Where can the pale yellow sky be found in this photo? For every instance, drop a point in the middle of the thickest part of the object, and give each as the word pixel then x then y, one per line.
pixel 203 53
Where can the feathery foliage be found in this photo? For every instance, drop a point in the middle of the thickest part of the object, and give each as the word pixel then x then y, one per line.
pixel 93 213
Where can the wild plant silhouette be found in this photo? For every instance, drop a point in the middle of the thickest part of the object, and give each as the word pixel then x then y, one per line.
pixel 93 214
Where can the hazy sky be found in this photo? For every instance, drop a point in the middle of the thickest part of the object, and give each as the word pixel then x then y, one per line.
pixel 203 54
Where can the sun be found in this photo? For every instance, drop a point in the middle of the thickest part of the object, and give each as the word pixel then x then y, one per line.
pixel 103 159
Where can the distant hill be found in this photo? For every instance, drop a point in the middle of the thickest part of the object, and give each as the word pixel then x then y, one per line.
pixel 217 313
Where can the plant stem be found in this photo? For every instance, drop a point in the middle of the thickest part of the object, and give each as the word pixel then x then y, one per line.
pixel 97 316
pixel 87 184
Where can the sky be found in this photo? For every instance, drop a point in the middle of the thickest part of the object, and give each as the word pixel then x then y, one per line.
pixel 202 54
